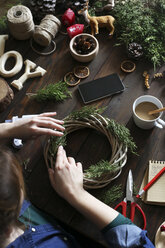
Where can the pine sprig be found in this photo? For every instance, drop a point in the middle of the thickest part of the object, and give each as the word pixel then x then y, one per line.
pixel 55 142
pixel 84 112
pixel 142 21
pixel 58 92
pixel 111 195
pixel 3 23
pixel 6 6
pixel 119 131
pixel 122 133
pixel 100 168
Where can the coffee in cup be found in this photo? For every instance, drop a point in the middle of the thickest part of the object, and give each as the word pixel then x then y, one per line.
pixel 141 106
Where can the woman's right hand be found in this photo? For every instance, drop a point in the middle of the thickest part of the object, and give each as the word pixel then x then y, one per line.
pixel 67 181
pixel 67 176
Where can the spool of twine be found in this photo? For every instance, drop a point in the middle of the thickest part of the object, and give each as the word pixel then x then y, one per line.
pixel 20 22
pixel 47 30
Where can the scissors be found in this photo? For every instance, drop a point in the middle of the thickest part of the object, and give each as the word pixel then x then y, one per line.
pixel 129 198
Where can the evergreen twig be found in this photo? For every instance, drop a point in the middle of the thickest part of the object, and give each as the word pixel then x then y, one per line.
pixel 100 168
pixel 55 143
pixel 58 92
pixel 143 22
pixel 84 112
pixel 122 133
pixel 3 23
pixel 3 19
pixel 111 195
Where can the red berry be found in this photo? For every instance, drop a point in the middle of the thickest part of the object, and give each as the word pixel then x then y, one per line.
pixel 162 229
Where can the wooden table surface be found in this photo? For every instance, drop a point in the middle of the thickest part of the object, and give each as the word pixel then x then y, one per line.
pixel 87 146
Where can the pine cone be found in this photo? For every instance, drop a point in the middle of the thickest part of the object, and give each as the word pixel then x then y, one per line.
pixel 83 45
pixel 40 8
pixel 135 50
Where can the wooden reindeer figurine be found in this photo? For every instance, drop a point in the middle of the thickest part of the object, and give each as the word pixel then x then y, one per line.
pixel 98 21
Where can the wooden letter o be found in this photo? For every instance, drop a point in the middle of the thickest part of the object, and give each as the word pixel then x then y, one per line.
pixel 16 68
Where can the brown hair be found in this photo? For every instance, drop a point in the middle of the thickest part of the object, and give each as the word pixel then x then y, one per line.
pixel 11 183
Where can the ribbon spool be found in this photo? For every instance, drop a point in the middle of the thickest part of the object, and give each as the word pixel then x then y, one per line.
pixel 20 22
pixel 47 30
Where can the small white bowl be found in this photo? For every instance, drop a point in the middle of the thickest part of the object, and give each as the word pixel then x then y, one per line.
pixel 84 57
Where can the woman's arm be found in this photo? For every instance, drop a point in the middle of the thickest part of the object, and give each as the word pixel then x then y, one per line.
pixel 42 124
pixel 67 180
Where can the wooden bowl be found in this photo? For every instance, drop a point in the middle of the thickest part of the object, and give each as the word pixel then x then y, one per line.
pixel 84 57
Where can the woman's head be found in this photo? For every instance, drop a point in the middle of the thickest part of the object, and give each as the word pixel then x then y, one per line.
pixel 11 188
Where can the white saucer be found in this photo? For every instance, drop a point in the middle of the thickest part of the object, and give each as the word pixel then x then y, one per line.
pixel 160 238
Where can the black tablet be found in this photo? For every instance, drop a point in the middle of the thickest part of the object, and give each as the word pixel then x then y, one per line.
pixel 100 88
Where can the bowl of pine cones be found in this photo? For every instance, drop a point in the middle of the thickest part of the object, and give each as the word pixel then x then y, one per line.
pixel 84 47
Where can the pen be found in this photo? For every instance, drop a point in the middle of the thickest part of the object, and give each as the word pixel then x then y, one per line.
pixel 151 182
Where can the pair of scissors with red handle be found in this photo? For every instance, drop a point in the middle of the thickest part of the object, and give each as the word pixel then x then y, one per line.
pixel 129 198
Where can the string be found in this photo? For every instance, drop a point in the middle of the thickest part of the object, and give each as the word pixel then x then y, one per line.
pixel 47 30
pixel 20 22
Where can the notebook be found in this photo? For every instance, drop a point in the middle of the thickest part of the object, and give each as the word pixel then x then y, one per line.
pixel 156 193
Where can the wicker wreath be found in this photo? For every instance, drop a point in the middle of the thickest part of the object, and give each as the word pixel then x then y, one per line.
pixel 118 154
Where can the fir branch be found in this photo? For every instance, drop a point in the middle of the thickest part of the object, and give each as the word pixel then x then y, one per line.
pixel 135 190
pixel 114 193
pixel 91 11
pixel 122 133
pixel 58 92
pixel 17 2
pixel 98 4
pixel 111 195
pixel 142 22
pixel 102 167
pixel 85 112
pixel 6 6
pixel 26 162
pixel 3 24
pixel 55 142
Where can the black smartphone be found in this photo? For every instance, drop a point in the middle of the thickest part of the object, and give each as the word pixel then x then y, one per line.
pixel 100 88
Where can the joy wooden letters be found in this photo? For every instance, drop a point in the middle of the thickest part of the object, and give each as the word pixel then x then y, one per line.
pixel 29 65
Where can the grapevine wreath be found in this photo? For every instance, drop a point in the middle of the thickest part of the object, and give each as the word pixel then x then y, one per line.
pixel 102 173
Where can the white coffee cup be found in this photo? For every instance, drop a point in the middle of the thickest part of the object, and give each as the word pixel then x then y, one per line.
pixel 148 124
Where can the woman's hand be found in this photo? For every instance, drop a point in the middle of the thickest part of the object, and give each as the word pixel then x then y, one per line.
pixel 67 181
pixel 67 176
pixel 42 124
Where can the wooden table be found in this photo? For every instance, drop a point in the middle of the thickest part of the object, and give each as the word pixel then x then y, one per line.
pixel 87 146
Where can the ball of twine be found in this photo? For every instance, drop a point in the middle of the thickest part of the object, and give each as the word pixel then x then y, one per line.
pixel 20 22
pixel 47 30
pixel 118 155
